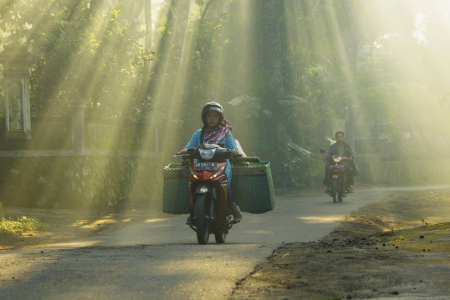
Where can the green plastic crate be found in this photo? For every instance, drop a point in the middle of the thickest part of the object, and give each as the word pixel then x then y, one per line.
pixel 176 189
pixel 253 188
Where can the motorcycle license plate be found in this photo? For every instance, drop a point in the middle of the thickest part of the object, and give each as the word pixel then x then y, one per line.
pixel 205 166
pixel 336 166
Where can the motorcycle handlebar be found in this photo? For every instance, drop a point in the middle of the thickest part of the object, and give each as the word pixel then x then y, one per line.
pixel 239 158
pixel 246 159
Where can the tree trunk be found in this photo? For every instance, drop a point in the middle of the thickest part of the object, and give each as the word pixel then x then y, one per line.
pixel 148 33
pixel 272 51
pixel 158 67
pixel 377 136
pixel 180 34
pixel 270 38
pixel 353 60
pixel 205 11
pixel 147 48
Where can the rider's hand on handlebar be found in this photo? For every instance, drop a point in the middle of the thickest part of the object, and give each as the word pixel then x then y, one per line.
pixel 235 153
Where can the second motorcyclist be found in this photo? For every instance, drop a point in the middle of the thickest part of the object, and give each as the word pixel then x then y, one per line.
pixel 341 147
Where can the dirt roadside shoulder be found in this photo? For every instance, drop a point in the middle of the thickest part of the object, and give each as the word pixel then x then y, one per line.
pixel 396 248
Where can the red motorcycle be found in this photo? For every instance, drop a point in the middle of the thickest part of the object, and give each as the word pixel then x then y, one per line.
pixel 337 178
pixel 208 191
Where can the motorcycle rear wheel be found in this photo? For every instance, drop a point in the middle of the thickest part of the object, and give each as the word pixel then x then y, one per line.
pixel 204 209
pixel 335 190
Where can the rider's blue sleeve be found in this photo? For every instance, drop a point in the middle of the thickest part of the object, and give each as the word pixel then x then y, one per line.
pixel 230 143
pixel 195 140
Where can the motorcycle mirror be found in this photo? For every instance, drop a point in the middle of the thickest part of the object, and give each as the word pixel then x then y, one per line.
pixel 323 151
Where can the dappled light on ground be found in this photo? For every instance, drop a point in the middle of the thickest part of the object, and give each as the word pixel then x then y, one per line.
pixel 71 225
pixel 322 219
pixel 174 274
pixel 100 222
pixel 154 220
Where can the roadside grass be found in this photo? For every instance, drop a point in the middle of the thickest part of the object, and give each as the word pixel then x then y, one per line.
pixel 19 225
pixel 333 298
pixel 429 238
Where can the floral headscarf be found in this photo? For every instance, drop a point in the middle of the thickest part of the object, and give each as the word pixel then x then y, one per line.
pixel 217 134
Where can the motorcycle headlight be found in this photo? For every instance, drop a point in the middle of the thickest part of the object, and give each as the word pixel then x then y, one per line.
pixel 218 172
pixel 193 174
pixel 337 159
pixel 207 154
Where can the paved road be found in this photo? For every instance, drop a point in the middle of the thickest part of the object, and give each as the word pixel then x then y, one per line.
pixel 160 259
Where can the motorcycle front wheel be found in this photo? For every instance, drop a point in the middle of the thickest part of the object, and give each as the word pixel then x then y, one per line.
pixel 204 209
pixel 335 190
pixel 220 238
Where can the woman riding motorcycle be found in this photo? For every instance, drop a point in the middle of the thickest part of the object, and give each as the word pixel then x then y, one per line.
pixel 216 130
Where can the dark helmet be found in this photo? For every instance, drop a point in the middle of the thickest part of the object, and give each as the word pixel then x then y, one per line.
pixel 212 106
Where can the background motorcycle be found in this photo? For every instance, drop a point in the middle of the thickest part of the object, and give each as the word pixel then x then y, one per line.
pixel 337 177
pixel 208 191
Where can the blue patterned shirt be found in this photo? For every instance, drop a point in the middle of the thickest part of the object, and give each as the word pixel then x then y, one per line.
pixel 228 142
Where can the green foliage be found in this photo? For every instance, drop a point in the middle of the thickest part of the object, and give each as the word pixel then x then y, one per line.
pixel 19 225
pixel 398 71
pixel 405 173
pixel 397 106
pixel 377 91
pixel 199 2
pixel 331 63
pixel 79 182
pixel 83 47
